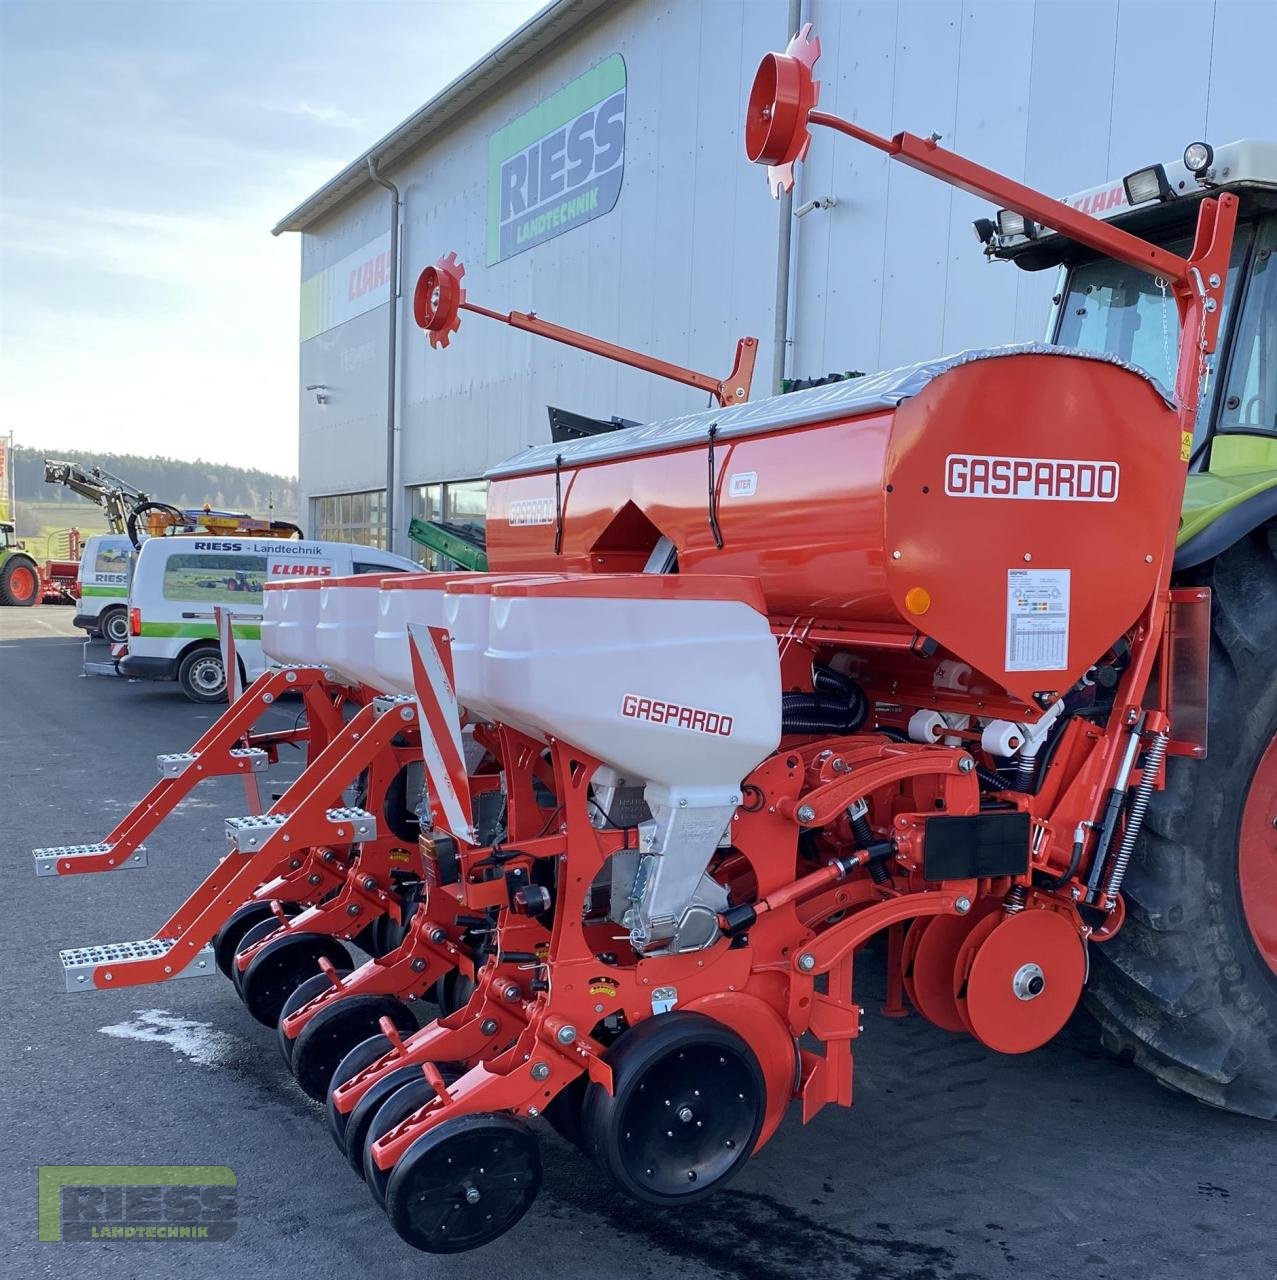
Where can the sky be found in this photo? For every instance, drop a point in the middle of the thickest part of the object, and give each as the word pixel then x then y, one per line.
pixel 146 149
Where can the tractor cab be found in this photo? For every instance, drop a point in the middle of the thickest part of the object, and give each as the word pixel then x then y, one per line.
pixel 1104 305
pixel 8 540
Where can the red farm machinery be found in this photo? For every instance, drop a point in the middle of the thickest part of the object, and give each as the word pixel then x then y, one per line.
pixel 903 659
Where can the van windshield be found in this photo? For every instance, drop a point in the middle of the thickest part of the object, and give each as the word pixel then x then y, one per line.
pixel 1108 306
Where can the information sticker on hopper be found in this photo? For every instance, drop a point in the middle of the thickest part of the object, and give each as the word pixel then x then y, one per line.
pixel 1037 619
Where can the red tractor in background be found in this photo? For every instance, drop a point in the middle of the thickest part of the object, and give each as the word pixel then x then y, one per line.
pixel 25 582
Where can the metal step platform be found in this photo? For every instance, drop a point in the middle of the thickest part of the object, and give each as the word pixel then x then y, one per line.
pixel 249 833
pixel 174 764
pixel 46 860
pixel 363 822
pixel 78 963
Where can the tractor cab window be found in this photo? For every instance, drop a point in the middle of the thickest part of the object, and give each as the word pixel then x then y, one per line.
pixel 1250 395
pixel 1130 314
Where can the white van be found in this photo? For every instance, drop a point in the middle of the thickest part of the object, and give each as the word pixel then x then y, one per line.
pixel 178 581
pixel 104 587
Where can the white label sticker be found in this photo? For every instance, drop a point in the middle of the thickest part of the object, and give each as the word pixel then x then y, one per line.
pixel 742 484
pixel 1037 619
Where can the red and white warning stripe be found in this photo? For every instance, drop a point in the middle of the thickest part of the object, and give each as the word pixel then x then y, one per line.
pixel 431 654
pixel 230 663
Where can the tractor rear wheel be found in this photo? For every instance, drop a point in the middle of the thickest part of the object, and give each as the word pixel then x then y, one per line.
pixel 1188 988
pixel 19 582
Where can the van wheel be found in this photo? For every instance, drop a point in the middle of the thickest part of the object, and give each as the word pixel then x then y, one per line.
pixel 114 625
pixel 201 675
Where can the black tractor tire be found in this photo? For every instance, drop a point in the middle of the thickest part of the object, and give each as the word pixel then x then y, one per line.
pixel 1184 990
pixel 20 582
pixel 113 624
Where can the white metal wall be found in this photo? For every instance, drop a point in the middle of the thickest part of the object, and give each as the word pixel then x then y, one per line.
pixel 1061 93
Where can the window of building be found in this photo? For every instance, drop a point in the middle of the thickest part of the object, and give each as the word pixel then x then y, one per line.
pixel 350 517
pixel 460 502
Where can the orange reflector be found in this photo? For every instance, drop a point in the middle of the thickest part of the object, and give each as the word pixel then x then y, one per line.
pixel 917 599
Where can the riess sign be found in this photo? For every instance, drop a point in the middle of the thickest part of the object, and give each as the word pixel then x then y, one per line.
pixel 558 165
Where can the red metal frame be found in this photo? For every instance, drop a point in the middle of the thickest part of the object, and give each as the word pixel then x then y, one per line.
pixel 439 297
pixel 232 730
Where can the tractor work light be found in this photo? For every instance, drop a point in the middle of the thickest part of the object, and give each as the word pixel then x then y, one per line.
pixel 1011 224
pixel 1198 157
pixel 984 229
pixel 1147 184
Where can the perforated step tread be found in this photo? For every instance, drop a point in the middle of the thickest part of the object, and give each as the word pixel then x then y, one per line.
pixel 364 824
pixel 249 833
pixel 46 860
pixel 174 764
pixel 78 963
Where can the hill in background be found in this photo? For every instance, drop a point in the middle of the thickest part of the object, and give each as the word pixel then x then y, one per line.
pixel 44 510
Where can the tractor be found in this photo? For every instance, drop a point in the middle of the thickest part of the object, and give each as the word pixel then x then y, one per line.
pixel 1188 988
pixel 20 580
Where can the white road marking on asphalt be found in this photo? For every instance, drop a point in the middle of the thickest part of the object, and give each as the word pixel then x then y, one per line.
pixel 199 1041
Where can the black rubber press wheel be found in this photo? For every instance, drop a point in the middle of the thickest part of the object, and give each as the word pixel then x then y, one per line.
pixel 226 941
pixel 464 1183
pixel 314 986
pixel 281 966
pixel 360 1058
pixel 335 1030
pixel 686 1110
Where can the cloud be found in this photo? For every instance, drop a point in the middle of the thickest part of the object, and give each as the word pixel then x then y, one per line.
pixel 334 117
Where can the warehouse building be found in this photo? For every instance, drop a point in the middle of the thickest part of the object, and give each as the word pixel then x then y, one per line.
pixel 591 170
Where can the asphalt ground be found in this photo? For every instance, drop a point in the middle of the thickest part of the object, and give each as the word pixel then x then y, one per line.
pixel 954 1163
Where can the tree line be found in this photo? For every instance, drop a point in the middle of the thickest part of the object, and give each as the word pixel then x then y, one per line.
pixel 181 484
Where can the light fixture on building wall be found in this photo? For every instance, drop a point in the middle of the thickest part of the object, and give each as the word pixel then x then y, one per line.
pixel 821 202
pixel 320 390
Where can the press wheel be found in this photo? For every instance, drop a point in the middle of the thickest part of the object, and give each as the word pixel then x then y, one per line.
pixel 687 1108
pixel 464 1183
pixel 281 966
pixel 360 1058
pixel 254 934
pixel 406 1099
pixel 335 1029
pixel 314 986
pixel 227 940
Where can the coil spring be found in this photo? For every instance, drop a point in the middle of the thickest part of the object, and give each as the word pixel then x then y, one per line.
pixel 1014 902
pixel 1135 818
